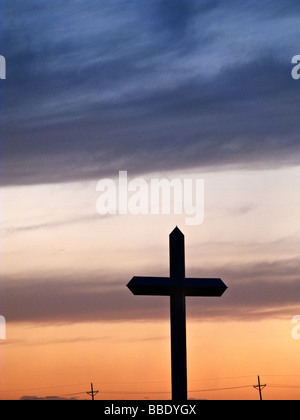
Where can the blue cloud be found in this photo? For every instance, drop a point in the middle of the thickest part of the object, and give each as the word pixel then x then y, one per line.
pixel 92 83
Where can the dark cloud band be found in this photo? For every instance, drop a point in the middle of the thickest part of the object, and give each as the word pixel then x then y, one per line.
pixel 93 87
pixel 255 291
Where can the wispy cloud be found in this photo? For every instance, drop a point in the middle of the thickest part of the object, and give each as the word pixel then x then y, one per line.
pixel 50 224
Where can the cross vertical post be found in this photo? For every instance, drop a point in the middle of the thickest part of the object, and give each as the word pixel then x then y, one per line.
pixel 178 317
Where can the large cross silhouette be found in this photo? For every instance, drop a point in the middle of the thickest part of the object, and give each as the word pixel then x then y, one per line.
pixel 177 286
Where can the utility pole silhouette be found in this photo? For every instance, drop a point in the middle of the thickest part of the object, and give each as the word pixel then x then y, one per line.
pixel 92 393
pixel 259 387
pixel 177 287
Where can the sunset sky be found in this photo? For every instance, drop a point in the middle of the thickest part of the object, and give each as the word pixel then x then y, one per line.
pixel 160 89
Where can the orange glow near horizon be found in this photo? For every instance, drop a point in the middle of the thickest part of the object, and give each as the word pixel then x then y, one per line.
pixel 132 360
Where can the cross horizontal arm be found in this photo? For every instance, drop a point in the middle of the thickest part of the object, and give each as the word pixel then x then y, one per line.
pixel 204 287
pixel 166 286
pixel 152 286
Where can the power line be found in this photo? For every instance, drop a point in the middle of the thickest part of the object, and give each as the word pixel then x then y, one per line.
pixel 221 389
pixel 41 388
pixel 191 391
pixel 282 376
pixel 168 392
pixel 92 393
pixel 139 382
pixel 283 386
pixel 73 393
pixel 219 379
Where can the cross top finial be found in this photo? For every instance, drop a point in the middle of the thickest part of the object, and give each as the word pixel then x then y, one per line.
pixel 176 231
